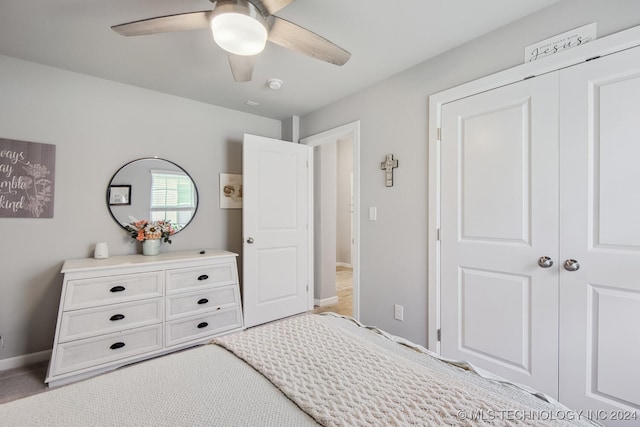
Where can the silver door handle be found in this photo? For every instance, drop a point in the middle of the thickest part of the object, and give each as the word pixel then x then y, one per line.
pixel 571 265
pixel 250 240
pixel 545 262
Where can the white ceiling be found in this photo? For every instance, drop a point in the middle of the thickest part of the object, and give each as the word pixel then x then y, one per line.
pixel 384 37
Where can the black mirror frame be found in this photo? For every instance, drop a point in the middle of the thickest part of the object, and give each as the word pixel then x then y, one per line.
pixel 152 158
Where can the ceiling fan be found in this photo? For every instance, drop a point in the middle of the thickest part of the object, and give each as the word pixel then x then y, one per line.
pixel 242 28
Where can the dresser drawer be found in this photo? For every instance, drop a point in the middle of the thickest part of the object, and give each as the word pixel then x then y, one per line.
pixel 182 304
pixel 197 277
pixel 81 354
pixel 180 331
pixel 83 293
pixel 90 322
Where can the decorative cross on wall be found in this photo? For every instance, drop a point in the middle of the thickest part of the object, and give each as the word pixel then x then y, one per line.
pixel 388 166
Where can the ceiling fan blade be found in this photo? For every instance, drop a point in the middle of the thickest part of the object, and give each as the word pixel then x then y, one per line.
pixel 162 24
pixel 270 6
pixel 241 67
pixel 294 37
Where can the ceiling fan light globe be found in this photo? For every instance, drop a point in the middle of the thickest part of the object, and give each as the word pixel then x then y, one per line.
pixel 238 33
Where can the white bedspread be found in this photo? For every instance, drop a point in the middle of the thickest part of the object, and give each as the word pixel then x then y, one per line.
pixel 341 379
pixel 204 386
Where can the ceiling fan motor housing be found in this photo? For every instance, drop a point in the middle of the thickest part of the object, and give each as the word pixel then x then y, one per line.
pixel 238 27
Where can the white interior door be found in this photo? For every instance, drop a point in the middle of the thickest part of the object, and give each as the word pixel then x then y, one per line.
pixel 499 307
pixel 600 229
pixel 275 229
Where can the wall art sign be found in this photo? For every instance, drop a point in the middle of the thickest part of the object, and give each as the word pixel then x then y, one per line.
pixel 27 172
pixel 555 44
pixel 230 191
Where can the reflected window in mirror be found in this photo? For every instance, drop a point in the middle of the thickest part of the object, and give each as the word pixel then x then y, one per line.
pixel 173 197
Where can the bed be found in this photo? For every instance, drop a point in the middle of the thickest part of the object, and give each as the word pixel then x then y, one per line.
pixel 306 370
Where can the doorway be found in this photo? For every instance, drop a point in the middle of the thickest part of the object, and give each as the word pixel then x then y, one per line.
pixel 336 219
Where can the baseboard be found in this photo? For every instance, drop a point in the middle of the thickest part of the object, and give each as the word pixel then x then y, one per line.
pixel 325 302
pixel 343 264
pixel 24 360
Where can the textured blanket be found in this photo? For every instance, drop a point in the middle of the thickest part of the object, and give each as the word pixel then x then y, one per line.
pixel 341 379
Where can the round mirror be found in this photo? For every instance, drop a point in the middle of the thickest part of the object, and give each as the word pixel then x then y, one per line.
pixel 152 189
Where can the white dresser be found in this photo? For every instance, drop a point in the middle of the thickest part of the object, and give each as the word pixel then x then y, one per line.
pixel 123 309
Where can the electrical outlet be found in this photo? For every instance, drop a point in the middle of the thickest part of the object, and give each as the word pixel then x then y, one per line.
pixel 398 312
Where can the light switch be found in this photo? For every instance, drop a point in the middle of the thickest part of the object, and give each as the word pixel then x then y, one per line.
pixel 373 213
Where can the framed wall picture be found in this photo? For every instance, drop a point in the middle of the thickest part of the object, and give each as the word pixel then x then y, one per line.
pixel 119 195
pixel 27 179
pixel 230 191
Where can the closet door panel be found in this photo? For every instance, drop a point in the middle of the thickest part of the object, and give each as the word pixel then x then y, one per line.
pixel 615 128
pixel 499 216
pixel 600 228
pixel 495 206
pixel 617 356
pixel 483 336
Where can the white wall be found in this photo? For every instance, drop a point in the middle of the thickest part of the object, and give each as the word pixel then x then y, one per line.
pixel 97 126
pixel 393 119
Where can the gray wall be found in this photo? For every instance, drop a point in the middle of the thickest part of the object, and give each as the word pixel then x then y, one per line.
pixel 97 126
pixel 393 119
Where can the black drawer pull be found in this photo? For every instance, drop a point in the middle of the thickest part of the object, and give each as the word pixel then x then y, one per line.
pixel 202 325
pixel 203 301
pixel 117 345
pixel 203 277
pixel 117 289
pixel 117 317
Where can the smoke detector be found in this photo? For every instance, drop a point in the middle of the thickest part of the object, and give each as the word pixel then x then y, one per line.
pixel 274 84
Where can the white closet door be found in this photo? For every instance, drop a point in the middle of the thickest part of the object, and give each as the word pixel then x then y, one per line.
pixel 600 228
pixel 499 307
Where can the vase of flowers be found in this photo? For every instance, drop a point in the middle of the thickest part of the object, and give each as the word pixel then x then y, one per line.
pixel 151 247
pixel 151 234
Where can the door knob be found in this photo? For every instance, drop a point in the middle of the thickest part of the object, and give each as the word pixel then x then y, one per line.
pixel 571 265
pixel 250 240
pixel 545 262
